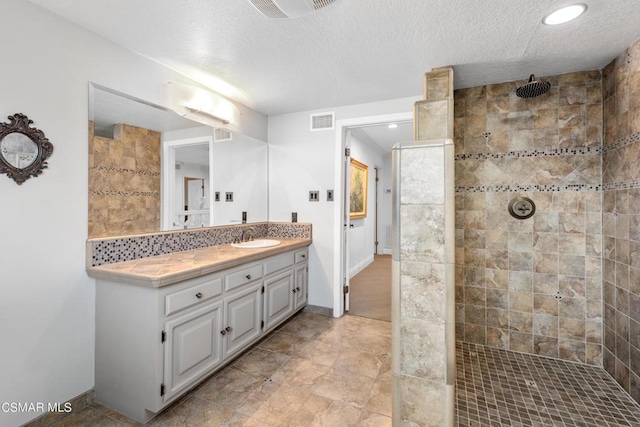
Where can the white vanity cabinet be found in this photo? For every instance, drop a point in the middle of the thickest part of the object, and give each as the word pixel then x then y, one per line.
pixel 154 344
pixel 192 347
pixel 243 320
pixel 301 279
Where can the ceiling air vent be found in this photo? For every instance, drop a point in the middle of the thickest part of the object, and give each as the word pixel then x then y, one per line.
pixel 220 135
pixel 319 4
pixel 322 121
pixel 289 8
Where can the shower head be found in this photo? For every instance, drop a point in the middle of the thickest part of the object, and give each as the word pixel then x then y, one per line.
pixel 533 88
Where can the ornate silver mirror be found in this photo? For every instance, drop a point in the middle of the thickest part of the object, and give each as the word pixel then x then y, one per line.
pixel 23 149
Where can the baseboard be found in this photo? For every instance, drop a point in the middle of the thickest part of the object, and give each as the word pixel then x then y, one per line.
pixel 78 403
pixel 360 266
pixel 387 251
pixel 315 309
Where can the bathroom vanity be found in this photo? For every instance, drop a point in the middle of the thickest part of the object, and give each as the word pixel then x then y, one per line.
pixel 165 323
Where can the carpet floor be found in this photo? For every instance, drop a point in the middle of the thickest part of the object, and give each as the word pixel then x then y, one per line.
pixel 370 290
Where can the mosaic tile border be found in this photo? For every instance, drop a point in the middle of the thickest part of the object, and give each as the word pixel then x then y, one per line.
pixel 635 137
pixel 528 188
pixel 127 248
pixel 530 153
pixel 624 185
pixel 124 170
pixel 154 194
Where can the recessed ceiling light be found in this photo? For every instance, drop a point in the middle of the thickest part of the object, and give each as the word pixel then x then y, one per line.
pixel 565 14
pixel 392 126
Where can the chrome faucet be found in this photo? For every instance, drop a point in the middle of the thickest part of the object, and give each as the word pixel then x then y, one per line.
pixel 247 234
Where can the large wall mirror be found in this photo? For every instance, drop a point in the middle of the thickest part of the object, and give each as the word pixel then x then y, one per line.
pixel 152 170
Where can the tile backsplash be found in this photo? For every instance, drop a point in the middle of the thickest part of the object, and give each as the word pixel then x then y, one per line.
pixel 127 248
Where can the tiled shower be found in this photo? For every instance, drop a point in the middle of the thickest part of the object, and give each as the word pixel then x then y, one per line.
pixel 564 283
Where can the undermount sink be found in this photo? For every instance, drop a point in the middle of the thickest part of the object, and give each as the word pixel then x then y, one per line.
pixel 258 243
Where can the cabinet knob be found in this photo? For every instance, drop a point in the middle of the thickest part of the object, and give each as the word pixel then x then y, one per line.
pixel 199 295
pixel 248 276
pixel 228 328
pixel 223 332
pixel 304 256
pixel 294 291
pixel 298 289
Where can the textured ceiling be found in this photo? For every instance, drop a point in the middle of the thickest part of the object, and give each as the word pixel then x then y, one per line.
pixel 357 51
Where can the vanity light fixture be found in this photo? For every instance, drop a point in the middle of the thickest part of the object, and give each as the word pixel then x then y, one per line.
pixel 189 99
pixel 392 126
pixel 204 113
pixel 565 14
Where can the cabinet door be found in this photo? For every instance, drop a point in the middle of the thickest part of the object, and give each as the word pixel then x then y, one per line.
pixel 301 285
pixel 192 348
pixel 243 319
pixel 278 298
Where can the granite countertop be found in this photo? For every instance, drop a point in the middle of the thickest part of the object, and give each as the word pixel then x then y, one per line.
pixel 163 270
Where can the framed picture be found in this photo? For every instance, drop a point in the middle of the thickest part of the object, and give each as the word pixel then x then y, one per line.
pixel 358 189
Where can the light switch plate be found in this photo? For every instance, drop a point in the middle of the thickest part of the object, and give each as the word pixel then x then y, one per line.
pixel 314 196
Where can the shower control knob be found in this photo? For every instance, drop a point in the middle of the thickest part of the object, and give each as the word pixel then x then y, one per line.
pixel 522 208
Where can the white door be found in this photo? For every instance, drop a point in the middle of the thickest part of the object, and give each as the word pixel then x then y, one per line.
pixel 195 193
pixel 346 220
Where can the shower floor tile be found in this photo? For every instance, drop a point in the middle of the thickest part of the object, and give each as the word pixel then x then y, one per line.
pixel 504 388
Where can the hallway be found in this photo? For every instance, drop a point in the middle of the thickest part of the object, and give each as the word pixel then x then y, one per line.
pixel 370 290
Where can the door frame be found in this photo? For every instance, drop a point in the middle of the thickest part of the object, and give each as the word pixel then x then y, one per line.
pixel 339 252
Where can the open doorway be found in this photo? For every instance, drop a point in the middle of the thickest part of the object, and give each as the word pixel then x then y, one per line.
pixel 367 237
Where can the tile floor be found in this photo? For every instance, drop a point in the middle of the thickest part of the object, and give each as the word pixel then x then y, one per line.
pixel 321 371
pixel 492 390
pixel 313 371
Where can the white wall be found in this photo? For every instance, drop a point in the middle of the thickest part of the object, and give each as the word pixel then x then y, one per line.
pixel 301 160
pixel 362 235
pixel 46 299
pixel 243 171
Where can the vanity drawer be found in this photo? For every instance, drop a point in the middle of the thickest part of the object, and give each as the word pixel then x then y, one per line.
pixel 241 277
pixel 278 263
pixel 302 256
pixel 191 296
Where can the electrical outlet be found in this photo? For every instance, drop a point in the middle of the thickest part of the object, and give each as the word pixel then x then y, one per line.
pixel 329 195
pixel 216 196
pixel 314 196
pixel 229 196
pixel 294 216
